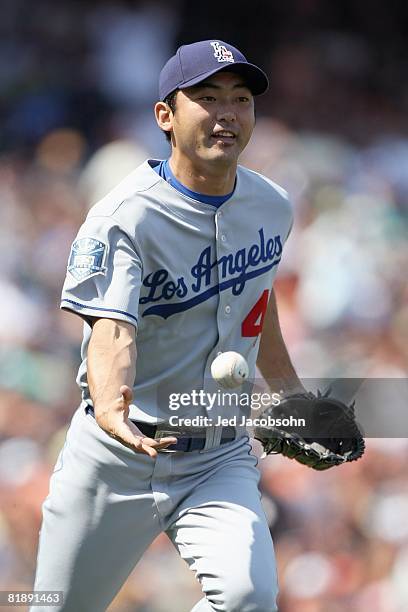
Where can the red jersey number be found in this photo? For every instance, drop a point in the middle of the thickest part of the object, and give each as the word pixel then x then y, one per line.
pixel 253 322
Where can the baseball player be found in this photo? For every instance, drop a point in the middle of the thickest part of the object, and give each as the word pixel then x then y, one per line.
pixel 171 268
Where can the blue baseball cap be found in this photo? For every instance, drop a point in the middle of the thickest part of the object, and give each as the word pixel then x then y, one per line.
pixel 194 63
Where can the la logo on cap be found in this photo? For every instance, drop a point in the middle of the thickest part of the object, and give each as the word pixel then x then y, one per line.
pixel 221 52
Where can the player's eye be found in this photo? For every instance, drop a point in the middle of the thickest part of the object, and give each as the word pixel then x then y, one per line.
pixel 208 98
pixel 243 99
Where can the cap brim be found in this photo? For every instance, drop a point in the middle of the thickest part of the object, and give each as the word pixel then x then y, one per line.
pixel 255 78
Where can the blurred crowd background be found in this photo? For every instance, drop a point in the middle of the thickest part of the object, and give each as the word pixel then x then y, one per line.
pixel 77 84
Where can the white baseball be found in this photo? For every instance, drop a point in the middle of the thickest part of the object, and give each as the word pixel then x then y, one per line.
pixel 229 369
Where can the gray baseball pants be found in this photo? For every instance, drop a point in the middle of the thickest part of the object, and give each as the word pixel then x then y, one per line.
pixel 107 504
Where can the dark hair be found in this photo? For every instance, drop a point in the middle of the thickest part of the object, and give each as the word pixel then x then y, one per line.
pixel 171 102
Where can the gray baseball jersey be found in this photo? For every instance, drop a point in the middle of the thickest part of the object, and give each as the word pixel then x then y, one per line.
pixel 194 280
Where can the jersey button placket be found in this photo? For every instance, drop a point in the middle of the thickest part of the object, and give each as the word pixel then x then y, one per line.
pixel 223 311
pixel 224 307
pixel 221 249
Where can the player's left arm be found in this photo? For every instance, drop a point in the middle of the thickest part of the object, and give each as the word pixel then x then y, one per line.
pixel 273 359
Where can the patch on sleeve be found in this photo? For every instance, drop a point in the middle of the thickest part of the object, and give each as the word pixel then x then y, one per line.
pixel 87 258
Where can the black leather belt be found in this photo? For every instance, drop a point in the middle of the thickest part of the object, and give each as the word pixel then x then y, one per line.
pixel 184 443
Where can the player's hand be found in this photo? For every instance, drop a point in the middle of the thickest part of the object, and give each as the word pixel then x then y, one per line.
pixel 114 420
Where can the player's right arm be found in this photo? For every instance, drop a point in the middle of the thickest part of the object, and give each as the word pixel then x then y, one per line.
pixel 111 373
pixel 102 285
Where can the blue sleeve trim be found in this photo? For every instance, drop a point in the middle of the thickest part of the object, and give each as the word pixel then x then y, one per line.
pixel 85 307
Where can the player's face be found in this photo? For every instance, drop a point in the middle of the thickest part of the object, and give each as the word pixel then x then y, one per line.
pixel 214 120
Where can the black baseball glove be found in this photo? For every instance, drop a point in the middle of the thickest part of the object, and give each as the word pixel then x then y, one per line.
pixel 331 435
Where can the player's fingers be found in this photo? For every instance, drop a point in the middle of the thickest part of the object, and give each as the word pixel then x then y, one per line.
pixel 160 442
pixel 138 445
pixel 125 433
pixel 155 443
pixel 150 446
pixel 130 436
pixel 147 450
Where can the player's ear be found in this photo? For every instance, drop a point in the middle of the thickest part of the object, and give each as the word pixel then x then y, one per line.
pixel 164 116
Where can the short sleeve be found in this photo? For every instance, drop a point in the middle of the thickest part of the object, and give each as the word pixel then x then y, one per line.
pixel 104 273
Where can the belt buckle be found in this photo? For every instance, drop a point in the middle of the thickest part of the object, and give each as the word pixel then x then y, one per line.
pixel 164 433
